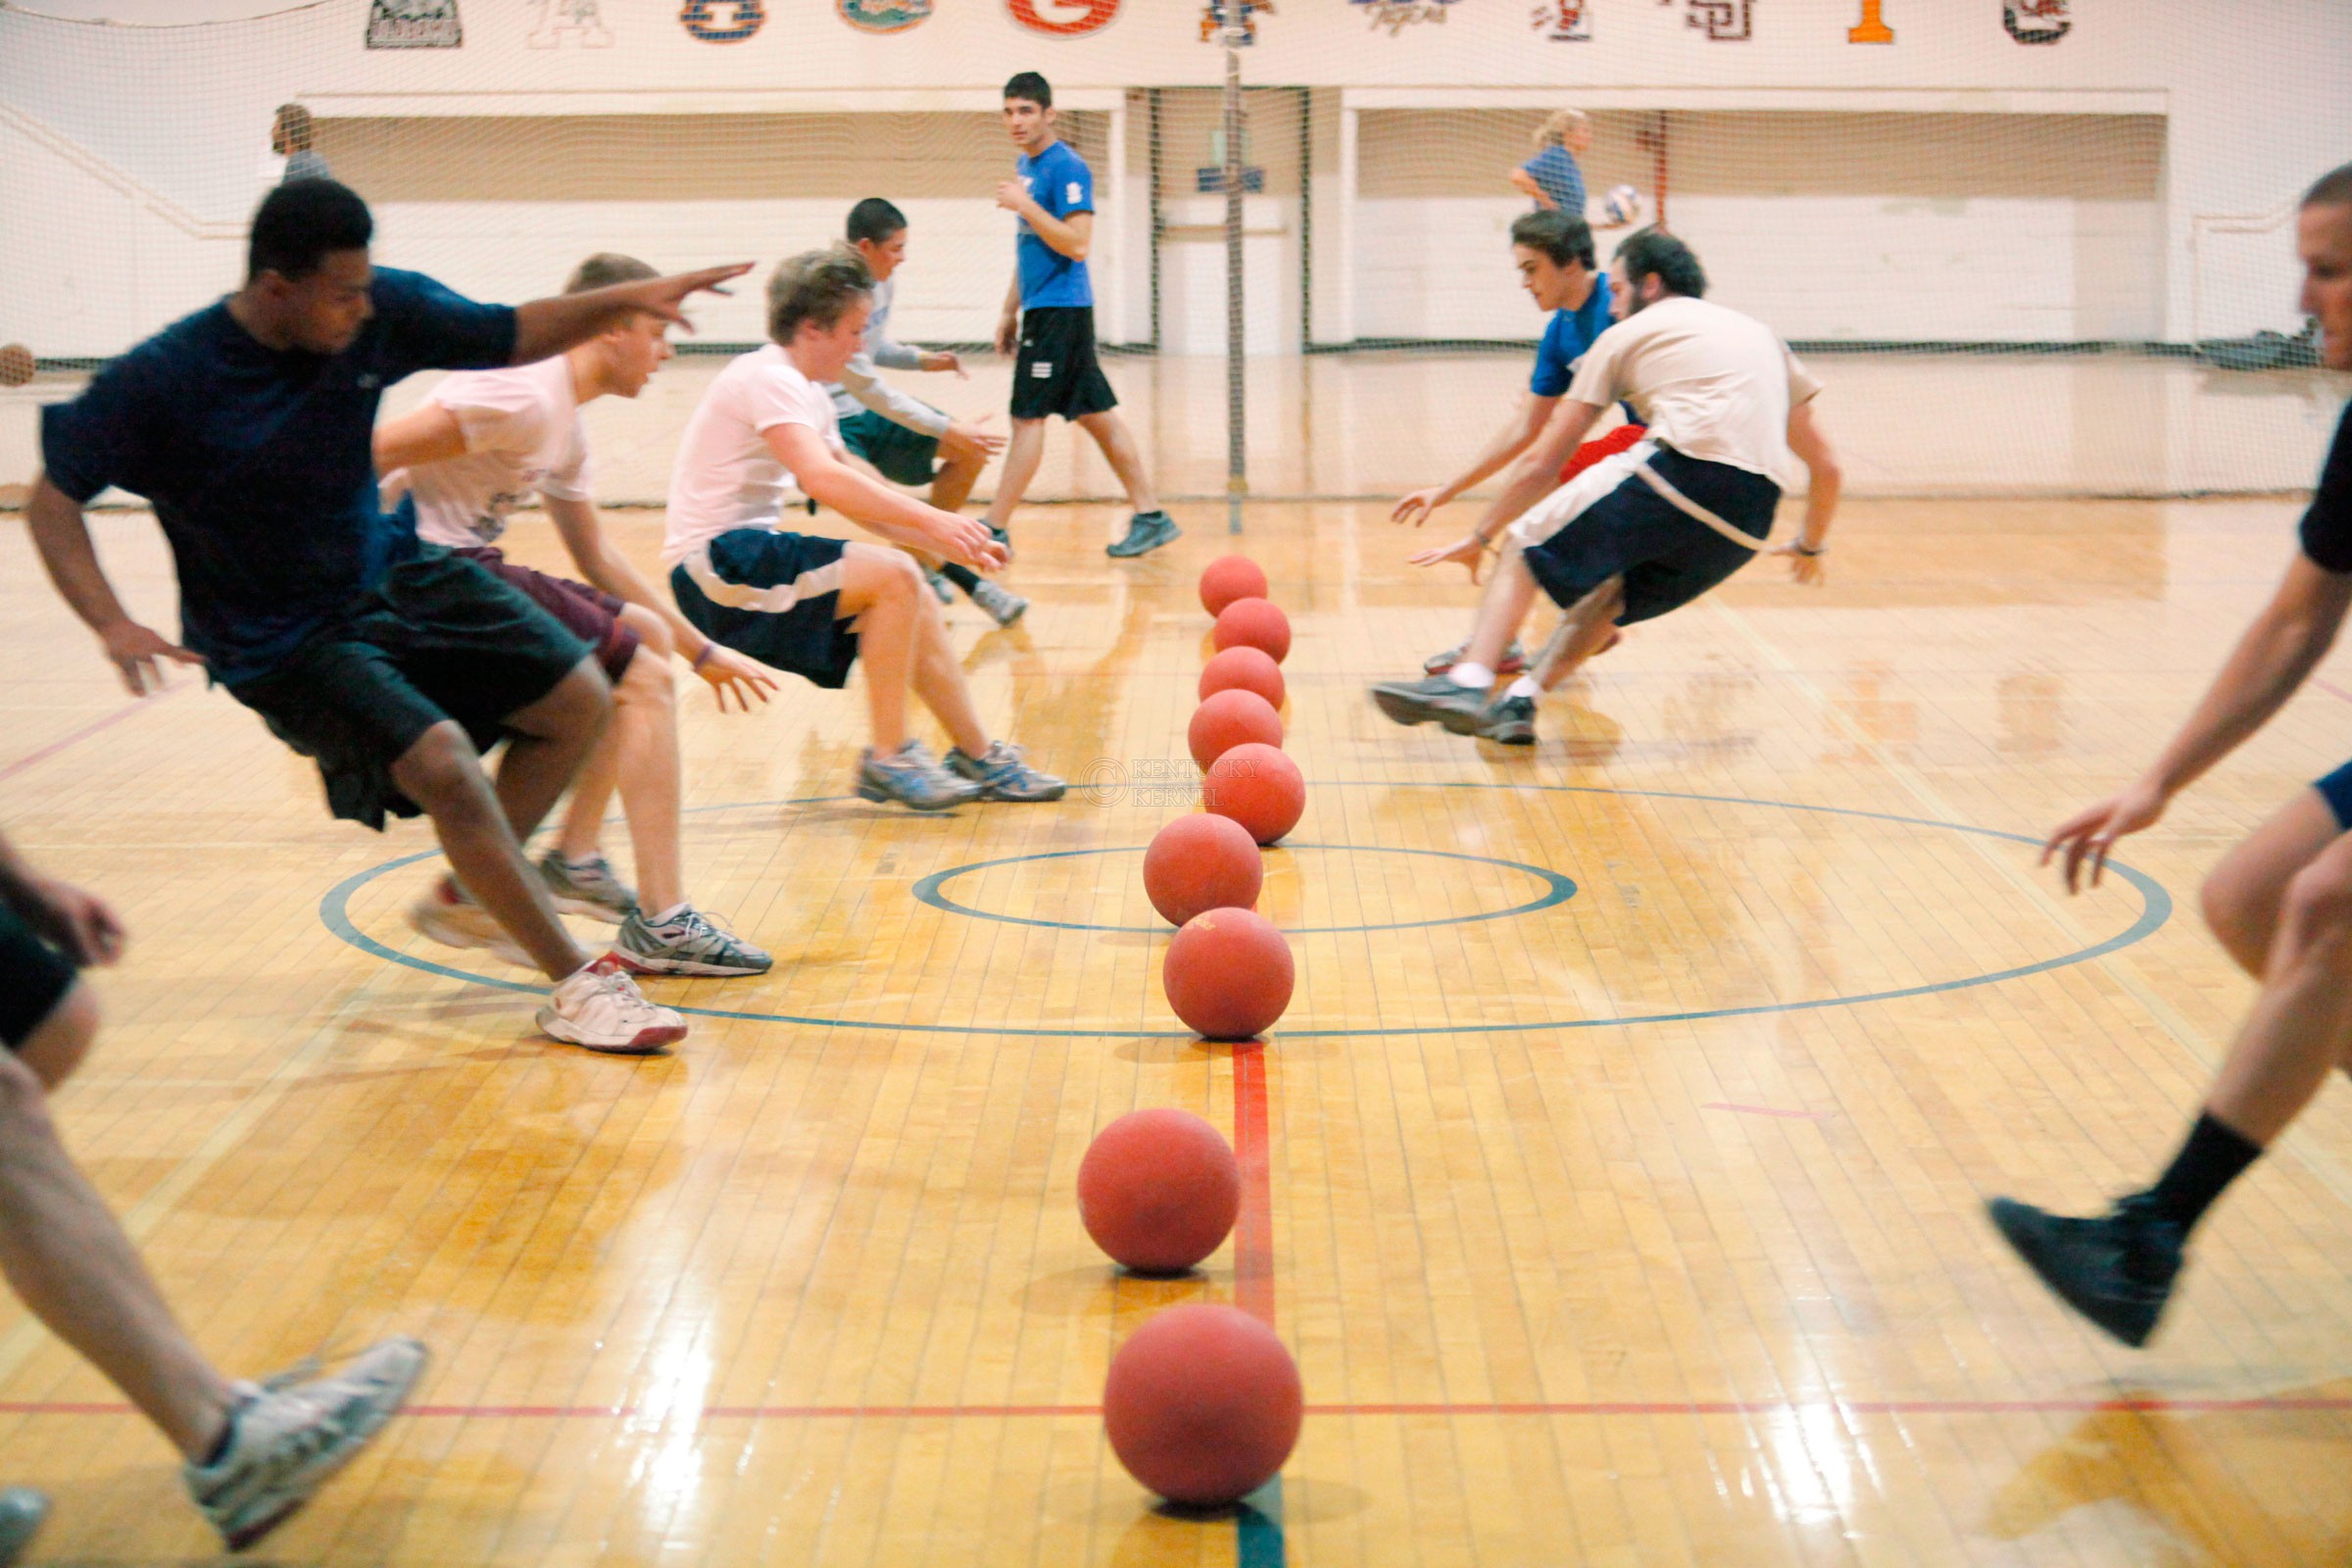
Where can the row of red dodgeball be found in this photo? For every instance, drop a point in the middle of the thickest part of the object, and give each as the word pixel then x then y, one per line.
pixel 1203 1403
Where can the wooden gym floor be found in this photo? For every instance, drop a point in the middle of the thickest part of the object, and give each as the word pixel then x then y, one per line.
pixel 1615 1176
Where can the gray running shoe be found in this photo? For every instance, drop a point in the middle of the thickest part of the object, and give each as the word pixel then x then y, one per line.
pixel 1147 531
pixel 1514 659
pixel 1004 606
pixel 1433 699
pixel 1509 720
pixel 1003 775
pixel 593 890
pixel 913 779
pixel 22 1511
pixel 941 586
pixel 449 917
pixel 287 1439
pixel 691 944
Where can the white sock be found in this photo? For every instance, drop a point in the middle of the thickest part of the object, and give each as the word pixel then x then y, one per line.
pixel 668 915
pixel 1524 686
pixel 1478 677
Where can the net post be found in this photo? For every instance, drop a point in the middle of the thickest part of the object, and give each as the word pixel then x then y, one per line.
pixel 1236 456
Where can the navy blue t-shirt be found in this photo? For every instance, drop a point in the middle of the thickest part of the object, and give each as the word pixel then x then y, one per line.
pixel 1566 336
pixel 1061 183
pixel 257 459
pixel 2327 524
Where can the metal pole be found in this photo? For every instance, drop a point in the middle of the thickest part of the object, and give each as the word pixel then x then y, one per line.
pixel 1236 456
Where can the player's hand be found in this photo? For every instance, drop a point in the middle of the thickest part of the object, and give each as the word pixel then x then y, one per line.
pixel 1009 333
pixel 1810 570
pixel 134 650
pixel 968 542
pixel 731 673
pixel 970 438
pixel 1416 506
pixel 1013 196
pixel 81 923
pixel 2090 835
pixel 666 297
pixel 1463 552
pixel 945 359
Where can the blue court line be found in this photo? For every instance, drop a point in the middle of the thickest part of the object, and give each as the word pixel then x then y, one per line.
pixel 1557 889
pixel 1258 1527
pixel 2156 907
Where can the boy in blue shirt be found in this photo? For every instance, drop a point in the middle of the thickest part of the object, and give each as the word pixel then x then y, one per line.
pixel 1050 314
pixel 394 666
pixel 1553 252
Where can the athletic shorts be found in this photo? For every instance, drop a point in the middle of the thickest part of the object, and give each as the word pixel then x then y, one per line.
pixel 589 613
pixel 34 978
pixel 437 639
pixel 1055 371
pixel 1621 439
pixel 774 596
pixel 2337 788
pixel 902 455
pixel 1611 522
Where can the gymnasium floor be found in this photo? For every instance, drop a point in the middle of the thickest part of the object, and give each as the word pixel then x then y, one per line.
pixel 1615 1175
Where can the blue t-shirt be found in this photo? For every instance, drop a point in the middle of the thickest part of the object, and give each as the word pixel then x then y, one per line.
pixel 258 463
pixel 1061 183
pixel 1557 176
pixel 1566 336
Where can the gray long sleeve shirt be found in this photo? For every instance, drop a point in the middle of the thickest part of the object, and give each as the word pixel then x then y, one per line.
pixel 860 388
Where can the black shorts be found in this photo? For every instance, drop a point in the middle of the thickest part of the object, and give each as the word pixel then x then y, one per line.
pixel 591 614
pixel 900 455
pixel 34 978
pixel 774 596
pixel 1055 371
pixel 437 639
pixel 1666 558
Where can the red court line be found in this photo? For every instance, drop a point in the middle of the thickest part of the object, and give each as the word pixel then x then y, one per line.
pixel 77 736
pixel 1253 1230
pixel 2331 689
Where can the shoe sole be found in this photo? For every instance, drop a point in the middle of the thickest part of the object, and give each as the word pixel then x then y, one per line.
pixel 1407 709
pixel 1010 615
pixel 327 1465
pixel 1025 799
pixel 1513 735
pixel 450 936
pixel 639 964
pixel 646 1043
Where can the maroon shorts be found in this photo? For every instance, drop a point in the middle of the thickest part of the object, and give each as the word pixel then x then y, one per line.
pixel 589 613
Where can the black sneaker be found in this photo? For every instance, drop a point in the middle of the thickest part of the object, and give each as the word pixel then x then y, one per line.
pixel 2116 1268
pixel 1509 722
pixel 1434 699
pixel 1147 531
pixel 22 1511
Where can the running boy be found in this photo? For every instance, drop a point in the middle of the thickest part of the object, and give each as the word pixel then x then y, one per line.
pixel 479 447
pixel 1050 314
pixel 816 605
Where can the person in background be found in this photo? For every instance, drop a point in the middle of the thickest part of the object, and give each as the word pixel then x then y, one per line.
pixel 290 137
pixel 1553 177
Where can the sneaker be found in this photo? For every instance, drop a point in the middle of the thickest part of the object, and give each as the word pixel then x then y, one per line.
pixel 1433 699
pixel 449 917
pixel 1515 660
pixel 1005 775
pixel 913 779
pixel 1509 720
pixel 285 1440
pixel 22 1511
pixel 1147 531
pixel 2116 1268
pixel 691 944
pixel 1004 606
pixel 601 1009
pixel 941 586
pixel 589 888
pixel 1002 539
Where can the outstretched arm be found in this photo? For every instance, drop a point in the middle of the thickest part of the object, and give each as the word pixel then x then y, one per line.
pixel 1537 472
pixel 607 568
pixel 61 535
pixel 426 433
pixel 1824 481
pixel 877 508
pixel 544 328
pixel 1512 439
pixel 78 922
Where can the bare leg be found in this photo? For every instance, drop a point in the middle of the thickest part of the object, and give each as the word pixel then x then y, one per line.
pixel 644 742
pixel 68 1259
pixel 1022 454
pixel 1509 594
pixel 2302 1022
pixel 881 594
pixel 951 486
pixel 1111 434
pixel 1585 630
pixel 2243 895
pixel 938 681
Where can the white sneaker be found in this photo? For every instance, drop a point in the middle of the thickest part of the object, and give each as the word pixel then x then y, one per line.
pixel 285 1440
pixel 448 916
pixel 601 1009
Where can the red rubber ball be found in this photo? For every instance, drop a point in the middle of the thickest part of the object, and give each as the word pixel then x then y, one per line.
pixel 1159 1190
pixel 1227 974
pixel 1201 861
pixel 1258 787
pixel 1244 668
pixel 1202 1404
pixel 1253 623
pixel 1230 577
pixel 1228 719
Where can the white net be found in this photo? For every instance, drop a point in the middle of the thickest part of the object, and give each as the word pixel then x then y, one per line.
pixel 2034 246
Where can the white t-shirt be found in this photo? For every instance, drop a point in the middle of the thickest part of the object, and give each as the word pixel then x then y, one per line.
pixel 523 437
pixel 1708 381
pixel 725 476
